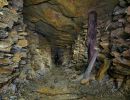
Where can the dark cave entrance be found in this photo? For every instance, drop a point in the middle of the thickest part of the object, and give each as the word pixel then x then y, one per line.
pixel 57 56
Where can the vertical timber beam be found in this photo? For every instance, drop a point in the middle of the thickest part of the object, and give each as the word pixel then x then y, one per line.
pixel 92 53
pixel 92 31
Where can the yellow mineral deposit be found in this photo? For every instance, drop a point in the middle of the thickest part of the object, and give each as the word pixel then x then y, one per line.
pixel 3 3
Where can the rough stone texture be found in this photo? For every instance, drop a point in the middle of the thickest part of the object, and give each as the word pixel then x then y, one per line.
pixel 79 50
pixel 61 21
pixel 3 3
pixel 60 24
pixel 119 38
pixel 128 11
pixel 8 17
pixel 40 55
pixel 13 43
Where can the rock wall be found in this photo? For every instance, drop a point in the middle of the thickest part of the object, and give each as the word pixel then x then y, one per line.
pixel 13 43
pixel 24 54
pixel 60 21
pixel 40 56
pixel 120 42
pixel 114 42
pixel 79 50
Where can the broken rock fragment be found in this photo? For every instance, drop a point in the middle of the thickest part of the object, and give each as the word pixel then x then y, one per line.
pixel 7 18
pixel 22 43
pixel 3 3
pixel 3 34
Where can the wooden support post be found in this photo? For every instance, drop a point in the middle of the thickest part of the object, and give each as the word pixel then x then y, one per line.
pixel 92 31
pixel 92 53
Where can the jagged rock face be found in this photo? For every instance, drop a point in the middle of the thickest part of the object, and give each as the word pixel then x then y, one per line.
pixel 13 41
pixel 79 53
pixel 60 21
pixel 3 3
pixel 8 18
pixel 114 43
pixel 120 41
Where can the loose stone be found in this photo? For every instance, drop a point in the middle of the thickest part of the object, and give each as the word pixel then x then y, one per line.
pixel 22 43
pixel 3 34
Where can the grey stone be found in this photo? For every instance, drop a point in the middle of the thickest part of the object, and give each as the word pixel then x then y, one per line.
pixel 15 49
pixel 23 62
pixel 17 4
pixel 4 78
pixel 119 11
pixel 13 98
pixel 3 34
pixel 117 17
pixel 12 88
pixel 24 54
pixel 123 3
pixel 7 18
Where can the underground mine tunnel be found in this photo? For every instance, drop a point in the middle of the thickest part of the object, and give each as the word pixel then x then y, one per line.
pixel 64 49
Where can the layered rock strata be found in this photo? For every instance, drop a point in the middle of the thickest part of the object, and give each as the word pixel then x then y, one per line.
pixel 61 21
pixel 13 41
pixel 120 42
pixel 79 50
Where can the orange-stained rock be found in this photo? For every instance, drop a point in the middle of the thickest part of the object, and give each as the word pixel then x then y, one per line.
pixel 105 45
pixel 128 10
pixel 126 53
pixel 115 54
pixel 61 20
pixel 5 61
pixel 22 43
pixel 3 3
pixel 5 70
pixel 23 33
pixel 122 61
pixel 127 29
pixel 128 19
pixel 17 57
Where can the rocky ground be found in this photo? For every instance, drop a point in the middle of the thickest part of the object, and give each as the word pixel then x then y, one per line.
pixel 61 84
